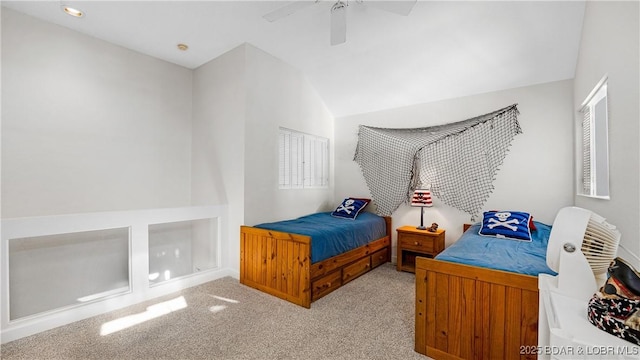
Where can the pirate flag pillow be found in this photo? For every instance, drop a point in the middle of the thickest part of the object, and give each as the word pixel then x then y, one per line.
pixel 349 208
pixel 506 225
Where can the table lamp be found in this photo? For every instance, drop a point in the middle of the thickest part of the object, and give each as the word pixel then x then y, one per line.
pixel 421 198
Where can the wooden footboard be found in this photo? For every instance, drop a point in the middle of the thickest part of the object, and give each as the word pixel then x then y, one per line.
pixel 468 312
pixel 279 264
pixel 276 263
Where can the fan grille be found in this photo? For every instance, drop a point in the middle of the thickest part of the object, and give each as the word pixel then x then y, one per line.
pixel 600 244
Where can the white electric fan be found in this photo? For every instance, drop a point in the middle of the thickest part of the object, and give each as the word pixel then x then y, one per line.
pixel 581 247
pixel 581 242
pixel 339 13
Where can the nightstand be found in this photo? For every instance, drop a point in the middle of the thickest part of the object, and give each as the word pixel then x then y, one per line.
pixel 413 242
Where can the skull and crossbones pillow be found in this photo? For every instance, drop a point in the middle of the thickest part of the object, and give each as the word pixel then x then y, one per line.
pixel 349 208
pixel 506 225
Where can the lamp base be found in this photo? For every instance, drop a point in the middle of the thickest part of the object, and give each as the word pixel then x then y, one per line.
pixel 421 227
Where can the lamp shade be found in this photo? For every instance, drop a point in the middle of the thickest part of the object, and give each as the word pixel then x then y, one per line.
pixel 421 198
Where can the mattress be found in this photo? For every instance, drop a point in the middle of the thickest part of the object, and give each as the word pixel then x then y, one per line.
pixel 524 257
pixel 331 236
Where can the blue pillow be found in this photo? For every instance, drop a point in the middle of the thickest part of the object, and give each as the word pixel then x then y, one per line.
pixel 506 225
pixel 349 208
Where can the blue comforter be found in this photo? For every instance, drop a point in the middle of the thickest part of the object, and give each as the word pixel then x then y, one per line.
pixel 522 257
pixel 332 236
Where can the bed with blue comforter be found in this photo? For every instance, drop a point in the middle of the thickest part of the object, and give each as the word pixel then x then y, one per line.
pixel 524 257
pixel 330 235
pixel 301 260
pixel 479 297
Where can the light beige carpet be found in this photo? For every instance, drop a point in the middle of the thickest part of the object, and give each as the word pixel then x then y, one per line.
pixel 372 317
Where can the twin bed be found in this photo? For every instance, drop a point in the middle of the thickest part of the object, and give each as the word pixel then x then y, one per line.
pixel 277 259
pixel 477 300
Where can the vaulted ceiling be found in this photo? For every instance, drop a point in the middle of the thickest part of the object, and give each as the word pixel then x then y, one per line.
pixel 442 49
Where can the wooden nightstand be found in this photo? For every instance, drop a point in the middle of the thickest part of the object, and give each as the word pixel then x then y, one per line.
pixel 413 242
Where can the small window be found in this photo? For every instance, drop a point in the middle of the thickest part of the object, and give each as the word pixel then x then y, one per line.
pixel 593 151
pixel 303 160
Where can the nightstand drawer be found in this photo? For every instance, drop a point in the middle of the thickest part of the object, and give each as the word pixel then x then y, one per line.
pixel 416 243
pixel 413 242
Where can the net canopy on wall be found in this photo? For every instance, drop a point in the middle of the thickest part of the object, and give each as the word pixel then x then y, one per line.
pixel 458 160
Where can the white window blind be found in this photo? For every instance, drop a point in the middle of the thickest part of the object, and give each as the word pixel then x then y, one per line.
pixel 284 159
pixel 296 175
pixel 303 160
pixel 586 151
pixel 594 152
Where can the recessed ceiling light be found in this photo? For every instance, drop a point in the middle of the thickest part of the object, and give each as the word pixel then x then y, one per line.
pixel 183 47
pixel 72 11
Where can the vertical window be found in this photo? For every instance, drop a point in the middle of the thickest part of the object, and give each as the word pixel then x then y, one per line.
pixel 303 160
pixel 594 147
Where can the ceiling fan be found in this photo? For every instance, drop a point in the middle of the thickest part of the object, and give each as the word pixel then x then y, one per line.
pixel 339 13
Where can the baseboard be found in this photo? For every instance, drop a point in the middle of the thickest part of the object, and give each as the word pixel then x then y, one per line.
pixel 234 274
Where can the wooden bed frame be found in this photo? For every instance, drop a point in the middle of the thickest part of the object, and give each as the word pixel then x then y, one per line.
pixel 470 312
pixel 279 264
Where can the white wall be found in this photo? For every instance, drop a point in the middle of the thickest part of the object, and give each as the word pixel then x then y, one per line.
pixel 219 101
pixel 537 173
pixel 611 45
pixel 240 100
pixel 279 95
pixel 127 131
pixel 89 126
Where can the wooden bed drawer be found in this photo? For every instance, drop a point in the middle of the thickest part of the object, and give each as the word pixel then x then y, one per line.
pixel 379 257
pixel 356 269
pixel 416 243
pixel 325 285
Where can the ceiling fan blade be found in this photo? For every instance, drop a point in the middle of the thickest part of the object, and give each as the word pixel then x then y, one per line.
pixel 400 7
pixel 338 23
pixel 288 9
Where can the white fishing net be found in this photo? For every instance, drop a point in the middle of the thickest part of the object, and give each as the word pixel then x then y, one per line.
pixel 459 160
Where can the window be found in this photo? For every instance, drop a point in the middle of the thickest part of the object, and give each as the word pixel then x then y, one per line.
pixel 593 162
pixel 303 160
